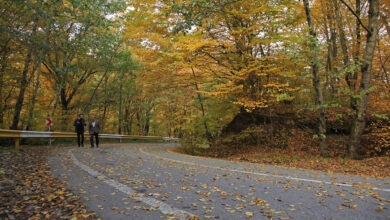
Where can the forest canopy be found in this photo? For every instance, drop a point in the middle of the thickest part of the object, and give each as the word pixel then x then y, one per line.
pixel 278 73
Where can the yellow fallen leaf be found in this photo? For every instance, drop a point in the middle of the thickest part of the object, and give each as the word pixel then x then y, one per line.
pixel 60 192
pixel 279 213
pixel 249 214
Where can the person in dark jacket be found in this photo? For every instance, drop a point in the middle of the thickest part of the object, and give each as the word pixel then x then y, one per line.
pixel 79 125
pixel 94 129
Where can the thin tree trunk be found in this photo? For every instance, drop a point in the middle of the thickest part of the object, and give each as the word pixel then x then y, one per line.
pixel 329 58
pixel 139 121
pixel 316 82
pixel 120 103
pixel 208 134
pixel 383 62
pixel 356 56
pixel 130 124
pixel 4 59
pixel 105 103
pixel 98 85
pixel 1 98
pixel 386 24
pixel 36 87
pixel 55 105
pixel 343 40
pixel 23 82
pixel 147 121
pixel 5 104
pixel 126 117
pixel 359 121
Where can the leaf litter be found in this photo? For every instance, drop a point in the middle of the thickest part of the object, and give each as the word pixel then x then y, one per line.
pixel 29 191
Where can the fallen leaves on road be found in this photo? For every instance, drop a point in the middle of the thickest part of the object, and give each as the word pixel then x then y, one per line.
pixel 28 190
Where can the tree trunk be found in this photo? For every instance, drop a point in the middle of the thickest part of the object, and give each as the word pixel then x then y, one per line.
pixel 36 87
pixel 98 85
pixel 386 24
pixel 105 104
pixel 385 76
pixel 147 121
pixel 343 40
pixel 23 82
pixel 139 122
pixel 329 57
pixel 316 82
pixel 120 103
pixel 356 56
pixel 208 134
pixel 359 121
pixel 3 63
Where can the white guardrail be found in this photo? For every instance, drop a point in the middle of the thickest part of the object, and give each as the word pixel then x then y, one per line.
pixel 17 135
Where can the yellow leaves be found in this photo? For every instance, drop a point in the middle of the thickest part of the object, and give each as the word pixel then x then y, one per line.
pixel 249 214
pixel 257 201
pixel 239 207
pixel 193 217
pixel 60 192
pixel 202 199
pixel 349 206
pixel 167 213
pixel 198 45
pixel 205 186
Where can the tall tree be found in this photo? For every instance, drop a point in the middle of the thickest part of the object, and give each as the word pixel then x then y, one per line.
pixel 23 80
pixel 313 44
pixel 359 121
pixel 76 38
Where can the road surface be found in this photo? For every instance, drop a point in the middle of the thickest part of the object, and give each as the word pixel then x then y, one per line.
pixel 149 181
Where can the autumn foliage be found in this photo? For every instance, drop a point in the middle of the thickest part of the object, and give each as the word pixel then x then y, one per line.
pixel 233 73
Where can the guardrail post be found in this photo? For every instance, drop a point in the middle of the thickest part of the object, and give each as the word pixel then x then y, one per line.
pixel 50 135
pixel 17 143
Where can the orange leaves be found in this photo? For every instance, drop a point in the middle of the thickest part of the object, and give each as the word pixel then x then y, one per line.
pixel 378 138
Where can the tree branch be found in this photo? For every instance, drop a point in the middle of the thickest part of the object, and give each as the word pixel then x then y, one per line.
pixel 357 17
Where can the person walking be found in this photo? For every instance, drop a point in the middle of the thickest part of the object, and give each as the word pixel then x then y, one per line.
pixel 94 129
pixel 79 125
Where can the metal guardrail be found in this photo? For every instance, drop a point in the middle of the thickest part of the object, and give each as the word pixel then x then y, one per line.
pixel 170 139
pixel 17 135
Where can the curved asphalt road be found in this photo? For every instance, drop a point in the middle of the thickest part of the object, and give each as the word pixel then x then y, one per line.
pixel 148 181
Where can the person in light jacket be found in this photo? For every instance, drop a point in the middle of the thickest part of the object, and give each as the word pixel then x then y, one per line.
pixel 94 129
